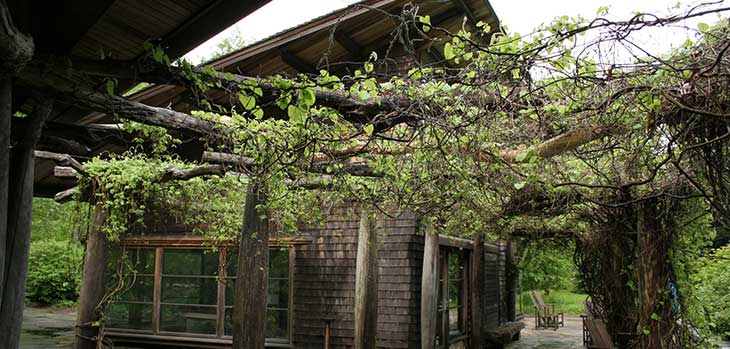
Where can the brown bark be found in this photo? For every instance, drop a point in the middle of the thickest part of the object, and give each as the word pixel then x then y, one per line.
pixel 429 288
pixel 16 48
pixel 557 145
pixel 366 282
pixel 20 198
pixel 252 277
pixel 61 159
pixel 655 316
pixel 92 284
pixel 476 288
pixel 511 282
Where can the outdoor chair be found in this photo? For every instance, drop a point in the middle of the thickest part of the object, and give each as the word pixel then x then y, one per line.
pixel 545 314
pixel 598 334
pixel 588 314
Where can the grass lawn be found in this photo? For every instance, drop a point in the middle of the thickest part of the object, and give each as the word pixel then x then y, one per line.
pixel 565 301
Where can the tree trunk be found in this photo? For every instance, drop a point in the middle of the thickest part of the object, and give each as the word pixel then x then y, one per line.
pixel 654 240
pixel 92 284
pixel 477 287
pixel 18 227
pixel 511 282
pixel 252 277
pixel 429 289
pixel 366 282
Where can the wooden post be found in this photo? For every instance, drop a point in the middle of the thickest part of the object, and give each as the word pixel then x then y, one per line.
pixel 6 111
pixel 429 288
pixel 252 276
pixel 654 240
pixel 19 217
pixel 92 284
pixel 477 288
pixel 366 282
pixel 511 282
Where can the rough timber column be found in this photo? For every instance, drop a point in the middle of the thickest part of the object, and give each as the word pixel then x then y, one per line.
pixel 429 289
pixel 252 277
pixel 366 282
pixel 92 284
pixel 476 288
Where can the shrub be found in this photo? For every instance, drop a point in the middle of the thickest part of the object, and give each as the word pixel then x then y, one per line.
pixel 54 272
pixel 714 283
pixel 548 267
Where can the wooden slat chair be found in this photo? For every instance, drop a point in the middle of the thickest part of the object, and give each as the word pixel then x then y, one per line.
pixel 555 319
pixel 544 315
pixel 599 337
pixel 587 314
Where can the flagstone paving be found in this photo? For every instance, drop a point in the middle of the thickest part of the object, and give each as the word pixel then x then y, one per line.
pixel 569 336
pixel 47 328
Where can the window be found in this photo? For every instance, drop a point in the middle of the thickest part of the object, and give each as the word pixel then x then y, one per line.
pixel 453 296
pixel 189 292
pixel 132 306
pixel 277 326
pixel 195 291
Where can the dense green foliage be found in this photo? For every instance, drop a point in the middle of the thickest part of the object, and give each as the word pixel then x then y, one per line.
pixel 565 301
pixel 713 291
pixel 547 266
pixel 54 272
pixel 53 221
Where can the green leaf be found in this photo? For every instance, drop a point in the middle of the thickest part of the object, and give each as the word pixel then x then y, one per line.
pixel 703 27
pixel 521 156
pixel 248 102
pixel 295 114
pixel 426 20
pixel 368 129
pixel 448 51
pixel 306 97
pixel 110 84
pixel 519 185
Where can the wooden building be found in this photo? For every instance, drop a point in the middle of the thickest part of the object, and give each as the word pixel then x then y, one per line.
pixel 182 290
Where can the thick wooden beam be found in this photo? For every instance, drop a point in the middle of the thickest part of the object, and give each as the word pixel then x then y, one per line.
pixel 65 172
pixel 6 113
pixel 92 284
pixel 61 159
pixel 429 288
pixel 16 48
pixel 15 255
pixel 464 8
pixel 349 44
pixel 366 282
pixel 477 289
pixel 297 63
pixel 252 277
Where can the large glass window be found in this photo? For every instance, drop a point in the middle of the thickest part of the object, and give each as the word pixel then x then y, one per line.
pixel 192 291
pixel 130 275
pixel 277 310
pixel 189 291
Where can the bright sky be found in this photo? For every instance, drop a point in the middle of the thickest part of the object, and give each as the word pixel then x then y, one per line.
pixel 519 15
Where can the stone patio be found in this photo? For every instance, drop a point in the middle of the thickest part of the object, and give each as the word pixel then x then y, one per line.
pixel 569 336
pixel 47 328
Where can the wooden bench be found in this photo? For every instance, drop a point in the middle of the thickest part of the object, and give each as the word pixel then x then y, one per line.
pixel 502 335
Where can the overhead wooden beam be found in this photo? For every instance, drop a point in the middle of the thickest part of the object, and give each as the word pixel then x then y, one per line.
pixel 297 62
pixel 349 44
pixel 61 159
pixel 464 8
pixel 211 20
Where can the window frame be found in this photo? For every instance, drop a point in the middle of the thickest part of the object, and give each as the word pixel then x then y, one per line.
pixel 159 244
pixel 443 308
